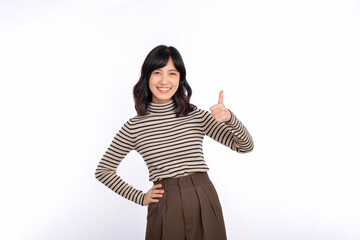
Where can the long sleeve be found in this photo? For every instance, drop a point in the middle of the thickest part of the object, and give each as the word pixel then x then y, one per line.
pixel 232 134
pixel 105 172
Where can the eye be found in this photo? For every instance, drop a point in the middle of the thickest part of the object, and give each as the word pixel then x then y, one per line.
pixel 156 72
pixel 173 74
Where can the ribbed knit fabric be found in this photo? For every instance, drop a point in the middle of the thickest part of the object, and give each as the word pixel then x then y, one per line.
pixel 170 146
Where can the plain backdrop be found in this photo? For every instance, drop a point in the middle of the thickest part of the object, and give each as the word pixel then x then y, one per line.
pixel 289 71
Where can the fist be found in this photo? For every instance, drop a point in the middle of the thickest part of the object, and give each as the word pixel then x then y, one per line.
pixel 219 111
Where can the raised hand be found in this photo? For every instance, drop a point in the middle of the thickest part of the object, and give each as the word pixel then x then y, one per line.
pixel 219 111
pixel 152 194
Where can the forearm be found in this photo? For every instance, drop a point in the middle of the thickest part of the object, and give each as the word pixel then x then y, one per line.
pixel 109 178
pixel 241 137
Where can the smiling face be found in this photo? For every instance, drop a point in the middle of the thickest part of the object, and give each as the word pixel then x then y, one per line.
pixel 164 82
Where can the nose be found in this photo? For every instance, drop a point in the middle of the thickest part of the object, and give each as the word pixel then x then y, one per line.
pixel 164 79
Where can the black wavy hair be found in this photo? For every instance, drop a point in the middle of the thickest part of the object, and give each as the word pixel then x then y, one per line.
pixel 158 58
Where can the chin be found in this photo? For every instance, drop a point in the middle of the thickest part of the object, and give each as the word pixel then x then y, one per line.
pixel 168 98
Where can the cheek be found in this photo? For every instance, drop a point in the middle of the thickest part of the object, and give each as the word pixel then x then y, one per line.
pixel 152 82
pixel 176 84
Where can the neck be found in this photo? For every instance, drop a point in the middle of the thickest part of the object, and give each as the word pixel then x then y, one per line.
pixel 161 108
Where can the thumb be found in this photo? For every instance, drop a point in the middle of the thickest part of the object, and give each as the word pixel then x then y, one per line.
pixel 221 97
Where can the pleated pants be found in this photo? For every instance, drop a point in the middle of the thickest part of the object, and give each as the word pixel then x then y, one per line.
pixel 189 210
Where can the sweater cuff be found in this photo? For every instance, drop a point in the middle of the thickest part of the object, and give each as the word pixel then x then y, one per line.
pixel 232 119
pixel 138 197
pixel 142 199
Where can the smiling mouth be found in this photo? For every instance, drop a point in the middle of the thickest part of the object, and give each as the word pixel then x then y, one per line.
pixel 164 90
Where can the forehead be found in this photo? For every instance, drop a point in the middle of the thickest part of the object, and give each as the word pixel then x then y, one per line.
pixel 169 66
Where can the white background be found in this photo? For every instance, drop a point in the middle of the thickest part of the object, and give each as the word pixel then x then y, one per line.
pixel 289 71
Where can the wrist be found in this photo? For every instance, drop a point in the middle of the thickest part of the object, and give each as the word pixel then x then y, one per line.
pixel 229 114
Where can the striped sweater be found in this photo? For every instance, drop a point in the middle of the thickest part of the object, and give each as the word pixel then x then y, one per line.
pixel 170 146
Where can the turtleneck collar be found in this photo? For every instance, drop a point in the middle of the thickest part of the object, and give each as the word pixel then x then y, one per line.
pixel 161 108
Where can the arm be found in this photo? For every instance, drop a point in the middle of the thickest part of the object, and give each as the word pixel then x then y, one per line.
pixel 232 133
pixel 105 172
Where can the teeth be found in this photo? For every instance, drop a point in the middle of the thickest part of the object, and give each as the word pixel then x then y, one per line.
pixel 164 89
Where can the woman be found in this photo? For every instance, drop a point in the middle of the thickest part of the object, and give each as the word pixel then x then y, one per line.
pixel 168 132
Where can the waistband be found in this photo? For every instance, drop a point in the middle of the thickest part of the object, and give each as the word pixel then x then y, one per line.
pixel 177 183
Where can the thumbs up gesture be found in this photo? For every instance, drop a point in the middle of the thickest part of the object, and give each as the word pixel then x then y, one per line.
pixel 219 111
